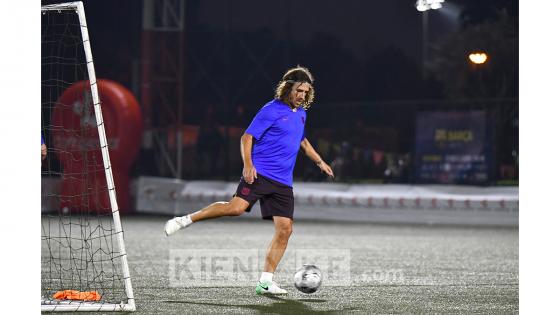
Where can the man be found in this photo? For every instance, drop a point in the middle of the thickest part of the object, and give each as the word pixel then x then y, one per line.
pixel 269 149
pixel 43 148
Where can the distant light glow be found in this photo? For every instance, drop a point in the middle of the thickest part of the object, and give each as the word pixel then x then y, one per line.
pixel 478 57
pixel 436 5
pixel 422 8
pixel 424 5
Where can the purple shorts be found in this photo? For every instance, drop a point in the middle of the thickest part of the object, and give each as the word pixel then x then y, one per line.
pixel 276 199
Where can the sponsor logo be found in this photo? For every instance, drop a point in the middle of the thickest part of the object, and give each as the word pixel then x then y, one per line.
pixel 245 191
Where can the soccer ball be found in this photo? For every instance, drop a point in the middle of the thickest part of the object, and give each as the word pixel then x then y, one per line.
pixel 308 279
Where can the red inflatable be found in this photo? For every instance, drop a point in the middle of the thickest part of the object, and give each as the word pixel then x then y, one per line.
pixel 76 143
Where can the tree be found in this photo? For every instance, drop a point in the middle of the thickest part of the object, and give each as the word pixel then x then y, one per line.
pixel 498 77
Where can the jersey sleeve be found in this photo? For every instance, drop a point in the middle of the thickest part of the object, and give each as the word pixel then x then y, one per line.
pixel 262 121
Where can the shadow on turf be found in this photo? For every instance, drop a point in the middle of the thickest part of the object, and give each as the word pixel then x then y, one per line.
pixel 281 306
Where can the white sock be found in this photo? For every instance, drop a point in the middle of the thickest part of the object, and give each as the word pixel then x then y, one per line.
pixel 186 220
pixel 266 276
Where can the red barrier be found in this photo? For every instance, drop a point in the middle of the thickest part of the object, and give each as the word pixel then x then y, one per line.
pixel 76 143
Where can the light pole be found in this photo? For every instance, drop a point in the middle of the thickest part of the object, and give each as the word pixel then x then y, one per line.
pixel 478 59
pixel 424 6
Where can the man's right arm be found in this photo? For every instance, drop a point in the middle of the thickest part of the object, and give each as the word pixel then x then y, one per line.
pixel 249 171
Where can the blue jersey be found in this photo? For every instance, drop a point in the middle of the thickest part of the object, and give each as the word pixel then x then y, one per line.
pixel 277 131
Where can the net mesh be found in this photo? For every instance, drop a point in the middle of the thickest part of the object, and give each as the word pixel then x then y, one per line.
pixel 79 246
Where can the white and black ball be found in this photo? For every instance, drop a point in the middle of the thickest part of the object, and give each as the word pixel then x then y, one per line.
pixel 308 279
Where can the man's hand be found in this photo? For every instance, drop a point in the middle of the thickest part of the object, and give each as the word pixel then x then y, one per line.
pixel 43 151
pixel 249 173
pixel 325 168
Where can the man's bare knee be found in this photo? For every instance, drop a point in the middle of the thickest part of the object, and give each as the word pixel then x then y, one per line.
pixel 236 210
pixel 284 231
pixel 236 207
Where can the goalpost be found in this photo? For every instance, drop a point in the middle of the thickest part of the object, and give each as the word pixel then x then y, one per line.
pixel 82 242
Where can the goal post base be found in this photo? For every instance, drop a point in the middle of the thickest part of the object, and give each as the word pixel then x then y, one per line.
pixel 80 306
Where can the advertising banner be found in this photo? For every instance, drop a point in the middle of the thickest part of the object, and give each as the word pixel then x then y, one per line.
pixel 451 147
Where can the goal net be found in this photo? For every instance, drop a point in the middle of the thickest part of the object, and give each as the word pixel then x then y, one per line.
pixel 83 259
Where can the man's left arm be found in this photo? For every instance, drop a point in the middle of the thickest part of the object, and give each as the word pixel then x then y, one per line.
pixel 315 157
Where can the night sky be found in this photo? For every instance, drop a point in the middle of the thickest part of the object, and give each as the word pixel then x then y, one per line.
pixel 362 26
pixel 324 34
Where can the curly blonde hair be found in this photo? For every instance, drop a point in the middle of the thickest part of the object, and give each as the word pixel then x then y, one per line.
pixel 297 75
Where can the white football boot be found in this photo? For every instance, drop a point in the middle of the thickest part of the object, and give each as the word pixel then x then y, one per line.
pixel 269 287
pixel 176 224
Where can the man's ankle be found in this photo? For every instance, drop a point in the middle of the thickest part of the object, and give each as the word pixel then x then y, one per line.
pixel 185 220
pixel 266 276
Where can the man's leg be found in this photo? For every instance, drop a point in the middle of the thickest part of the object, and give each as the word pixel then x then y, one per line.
pixel 276 249
pixel 236 206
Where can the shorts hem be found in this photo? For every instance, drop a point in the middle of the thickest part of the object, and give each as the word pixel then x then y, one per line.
pixel 251 203
pixel 269 217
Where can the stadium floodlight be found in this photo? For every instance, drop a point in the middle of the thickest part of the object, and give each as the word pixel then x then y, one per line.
pixel 425 5
pixel 421 6
pixel 436 5
pixel 478 58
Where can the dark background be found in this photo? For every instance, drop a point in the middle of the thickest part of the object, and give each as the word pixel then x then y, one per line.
pixel 366 56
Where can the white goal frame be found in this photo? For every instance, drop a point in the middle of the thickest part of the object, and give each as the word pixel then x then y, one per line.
pixel 73 306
